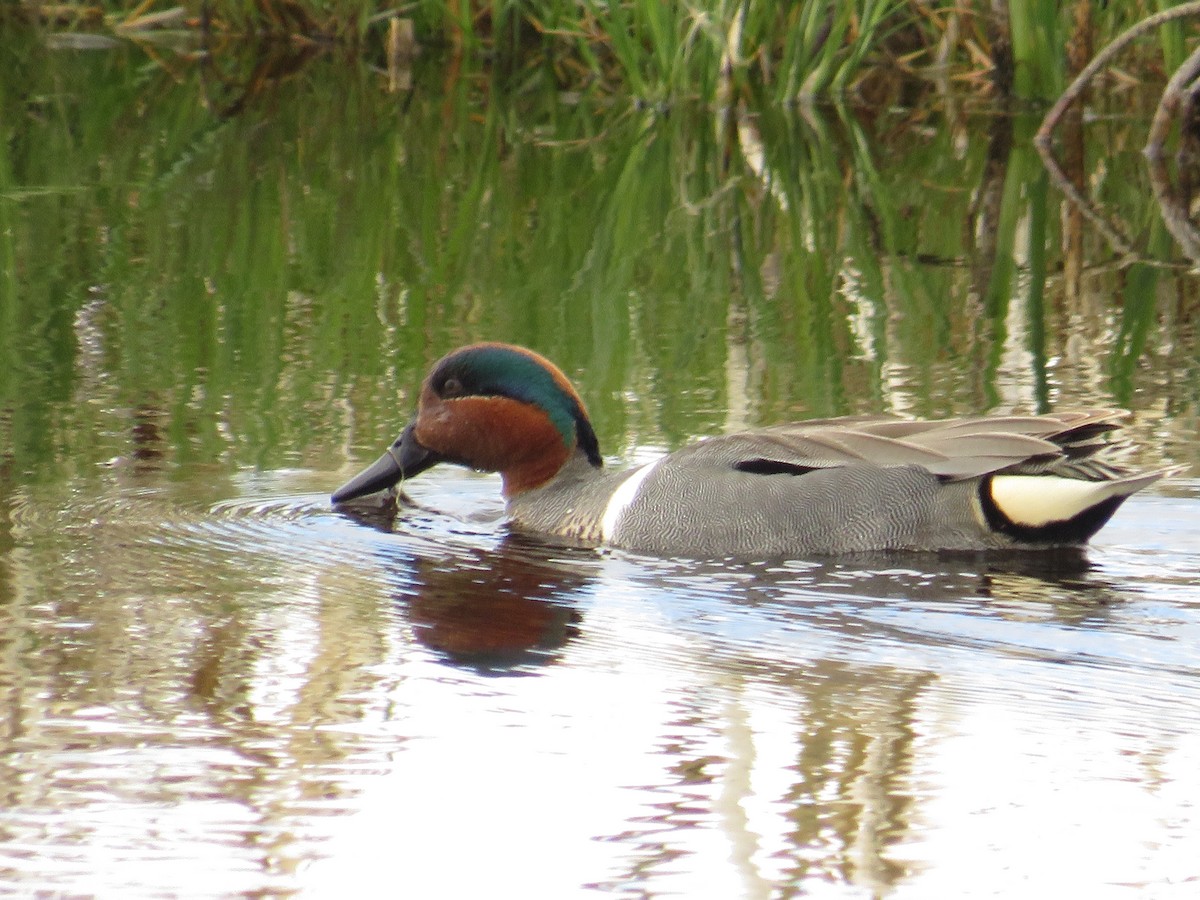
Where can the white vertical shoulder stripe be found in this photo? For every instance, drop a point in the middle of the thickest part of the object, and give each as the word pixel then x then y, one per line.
pixel 622 497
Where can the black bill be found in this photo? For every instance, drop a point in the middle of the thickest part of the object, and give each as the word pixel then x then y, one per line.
pixel 404 459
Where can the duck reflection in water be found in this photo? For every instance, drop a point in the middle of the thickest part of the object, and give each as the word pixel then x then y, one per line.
pixel 505 609
pixel 499 611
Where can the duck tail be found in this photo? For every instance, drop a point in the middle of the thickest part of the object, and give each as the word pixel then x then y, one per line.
pixel 1054 509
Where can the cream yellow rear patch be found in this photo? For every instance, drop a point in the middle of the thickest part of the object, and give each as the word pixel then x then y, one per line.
pixel 1035 501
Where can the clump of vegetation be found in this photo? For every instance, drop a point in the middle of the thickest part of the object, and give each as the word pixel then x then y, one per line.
pixel 662 52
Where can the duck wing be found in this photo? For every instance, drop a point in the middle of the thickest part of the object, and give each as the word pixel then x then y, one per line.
pixel 952 449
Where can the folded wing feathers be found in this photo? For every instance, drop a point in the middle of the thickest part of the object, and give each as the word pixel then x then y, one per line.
pixel 887 451
pixel 953 448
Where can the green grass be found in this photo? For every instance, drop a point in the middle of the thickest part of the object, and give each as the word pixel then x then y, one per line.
pixel 663 53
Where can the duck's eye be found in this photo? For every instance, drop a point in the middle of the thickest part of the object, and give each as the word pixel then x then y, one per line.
pixel 452 387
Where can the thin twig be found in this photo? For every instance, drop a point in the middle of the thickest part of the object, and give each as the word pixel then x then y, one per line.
pixel 1181 87
pixel 1115 238
pixel 1174 214
pixel 1168 105
pixel 1102 59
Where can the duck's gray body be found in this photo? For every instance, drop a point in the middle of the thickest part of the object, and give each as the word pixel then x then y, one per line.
pixel 849 485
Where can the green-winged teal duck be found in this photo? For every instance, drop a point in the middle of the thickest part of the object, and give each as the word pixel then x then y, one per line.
pixel 833 486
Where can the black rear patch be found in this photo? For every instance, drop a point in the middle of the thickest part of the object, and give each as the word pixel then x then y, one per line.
pixel 771 467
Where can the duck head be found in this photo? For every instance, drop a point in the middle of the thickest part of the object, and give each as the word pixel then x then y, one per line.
pixel 490 407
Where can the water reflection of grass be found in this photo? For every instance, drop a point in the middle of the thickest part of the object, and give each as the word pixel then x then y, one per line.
pixel 280 278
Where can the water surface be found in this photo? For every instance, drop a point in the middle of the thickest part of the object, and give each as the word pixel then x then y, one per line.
pixel 273 697
pixel 218 303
